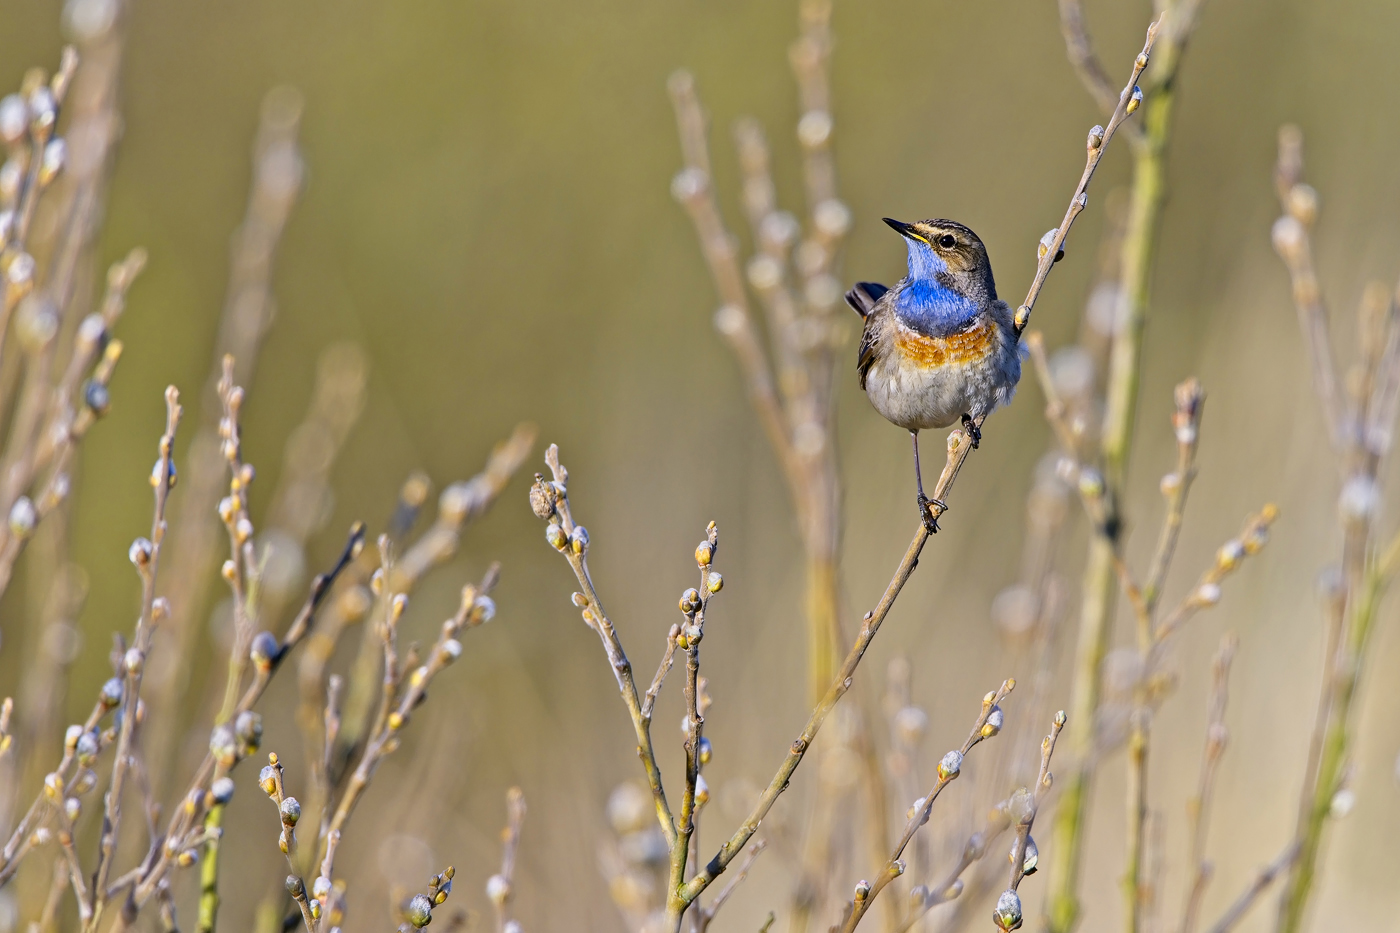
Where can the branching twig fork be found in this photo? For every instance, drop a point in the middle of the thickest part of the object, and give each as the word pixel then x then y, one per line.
pixel 948 770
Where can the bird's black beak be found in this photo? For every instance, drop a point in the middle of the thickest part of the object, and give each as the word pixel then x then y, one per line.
pixel 904 229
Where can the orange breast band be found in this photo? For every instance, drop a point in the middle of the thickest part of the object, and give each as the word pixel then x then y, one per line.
pixel 969 346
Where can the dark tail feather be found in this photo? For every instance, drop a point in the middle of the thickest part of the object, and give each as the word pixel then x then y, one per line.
pixel 863 296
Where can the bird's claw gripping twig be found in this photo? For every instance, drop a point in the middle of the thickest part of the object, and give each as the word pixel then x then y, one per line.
pixel 926 514
pixel 973 431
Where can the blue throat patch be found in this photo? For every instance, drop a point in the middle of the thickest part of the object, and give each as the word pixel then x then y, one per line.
pixel 927 305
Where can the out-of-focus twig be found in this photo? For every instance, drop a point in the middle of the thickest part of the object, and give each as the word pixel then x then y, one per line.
pixel 1362 424
pixel 1257 887
pixel 1175 24
pixel 460 504
pixel 988 724
pixel 500 887
pixel 247 315
pixel 402 689
pixel 793 274
pixel 145 555
pixel 1199 806
pixel 707 913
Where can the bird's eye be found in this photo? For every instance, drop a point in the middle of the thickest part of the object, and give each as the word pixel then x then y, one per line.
pixel 947 241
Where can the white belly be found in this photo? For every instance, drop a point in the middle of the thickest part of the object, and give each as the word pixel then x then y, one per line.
pixel 920 398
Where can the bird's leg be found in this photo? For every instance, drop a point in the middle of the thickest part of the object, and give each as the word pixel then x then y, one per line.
pixel 973 431
pixel 925 515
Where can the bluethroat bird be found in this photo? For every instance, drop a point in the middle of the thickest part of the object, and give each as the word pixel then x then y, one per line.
pixel 938 347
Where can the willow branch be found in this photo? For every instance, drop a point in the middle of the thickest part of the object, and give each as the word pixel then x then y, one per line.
pixel 1256 889
pixel 146 555
pixel 1198 808
pixel 948 770
pixel 1052 244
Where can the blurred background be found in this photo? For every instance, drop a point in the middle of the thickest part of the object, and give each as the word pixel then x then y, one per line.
pixel 487 216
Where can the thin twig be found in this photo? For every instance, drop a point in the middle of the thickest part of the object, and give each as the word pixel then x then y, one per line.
pixel 694 604
pixel 145 555
pixel 1024 806
pixel 1198 808
pixel 1052 245
pixel 550 500
pixel 1175 486
pixel 1081 56
pixel 500 888
pixel 707 913
pixel 948 770
pixel 1256 888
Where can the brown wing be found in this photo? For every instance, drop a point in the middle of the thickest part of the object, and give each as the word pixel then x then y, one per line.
pixel 863 299
pixel 868 337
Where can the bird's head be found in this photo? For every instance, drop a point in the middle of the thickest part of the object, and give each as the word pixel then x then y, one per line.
pixel 948 254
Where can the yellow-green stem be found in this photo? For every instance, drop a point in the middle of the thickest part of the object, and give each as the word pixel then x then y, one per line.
pixel 1335 747
pixel 1100 580
pixel 209 871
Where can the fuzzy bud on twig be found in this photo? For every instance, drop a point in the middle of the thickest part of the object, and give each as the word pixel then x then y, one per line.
pixel 420 911
pixel 1008 911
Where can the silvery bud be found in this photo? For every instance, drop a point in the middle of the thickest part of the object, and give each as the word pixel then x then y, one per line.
pixel 291 811
pixel 87 747
pixel 140 552
pixel 1360 499
pixel 1032 856
pixel 249 729
pixel 994 722
pixel 420 911
pixel 554 534
pixel 111 693
pixel 14 119
pixel 950 766
pixel 223 745
pixel 1008 911
pixel 263 650
pixel 54 158
pixel 222 790
pixel 1230 555
pixel 23 517
pixel 484 609
pixel 1207 594
pixel 1288 237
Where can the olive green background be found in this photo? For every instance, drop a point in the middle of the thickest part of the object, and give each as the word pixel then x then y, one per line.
pixel 487 213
